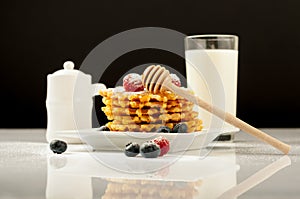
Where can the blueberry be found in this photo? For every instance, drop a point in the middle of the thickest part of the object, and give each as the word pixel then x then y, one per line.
pixel 180 128
pixel 132 149
pixel 163 129
pixel 150 150
pixel 104 128
pixel 58 146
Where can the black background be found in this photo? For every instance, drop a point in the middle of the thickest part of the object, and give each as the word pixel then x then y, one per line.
pixel 38 36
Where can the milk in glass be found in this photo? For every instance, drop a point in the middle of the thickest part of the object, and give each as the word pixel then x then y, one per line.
pixel 225 63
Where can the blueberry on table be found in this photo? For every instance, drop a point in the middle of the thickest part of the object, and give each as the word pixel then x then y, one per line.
pixel 104 128
pixel 163 129
pixel 58 146
pixel 132 149
pixel 180 128
pixel 150 150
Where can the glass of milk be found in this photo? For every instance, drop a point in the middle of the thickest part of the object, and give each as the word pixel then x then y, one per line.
pixel 211 69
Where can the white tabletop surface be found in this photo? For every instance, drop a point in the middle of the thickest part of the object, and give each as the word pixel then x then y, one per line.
pixel 245 168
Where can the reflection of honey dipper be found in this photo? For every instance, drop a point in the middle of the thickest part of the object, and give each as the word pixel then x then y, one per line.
pixel 157 78
pixel 257 178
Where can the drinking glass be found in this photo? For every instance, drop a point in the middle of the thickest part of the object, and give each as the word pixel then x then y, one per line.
pixel 211 69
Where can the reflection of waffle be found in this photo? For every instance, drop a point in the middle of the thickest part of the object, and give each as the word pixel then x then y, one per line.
pixel 144 111
pixel 150 189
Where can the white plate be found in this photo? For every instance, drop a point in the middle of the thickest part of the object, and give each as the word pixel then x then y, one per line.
pixel 116 141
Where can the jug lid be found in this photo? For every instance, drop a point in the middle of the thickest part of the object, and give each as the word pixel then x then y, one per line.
pixel 69 70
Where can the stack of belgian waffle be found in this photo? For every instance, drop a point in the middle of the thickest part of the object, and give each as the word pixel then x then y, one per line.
pixel 142 111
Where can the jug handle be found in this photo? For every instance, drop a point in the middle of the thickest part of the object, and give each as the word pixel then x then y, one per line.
pixel 97 87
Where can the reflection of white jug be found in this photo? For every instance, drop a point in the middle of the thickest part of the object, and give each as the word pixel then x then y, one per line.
pixel 69 101
pixel 63 185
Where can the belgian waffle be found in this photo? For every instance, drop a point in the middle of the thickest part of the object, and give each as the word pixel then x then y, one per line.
pixel 111 110
pixel 194 125
pixel 146 104
pixel 156 118
pixel 143 96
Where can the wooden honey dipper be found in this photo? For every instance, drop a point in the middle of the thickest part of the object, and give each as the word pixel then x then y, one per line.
pixel 156 79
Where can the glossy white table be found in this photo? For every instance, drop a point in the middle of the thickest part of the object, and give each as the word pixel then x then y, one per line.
pixel 252 169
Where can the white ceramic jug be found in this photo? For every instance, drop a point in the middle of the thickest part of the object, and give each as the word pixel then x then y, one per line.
pixel 69 102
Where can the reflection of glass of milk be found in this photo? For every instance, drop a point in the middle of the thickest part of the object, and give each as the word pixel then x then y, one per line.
pixel 212 58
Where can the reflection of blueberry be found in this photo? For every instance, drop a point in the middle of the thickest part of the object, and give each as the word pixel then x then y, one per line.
pixel 104 128
pixel 180 128
pixel 150 150
pixel 132 149
pixel 57 162
pixel 58 146
pixel 163 129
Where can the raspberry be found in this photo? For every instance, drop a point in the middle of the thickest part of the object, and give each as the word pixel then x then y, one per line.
pixel 163 144
pixel 133 82
pixel 175 79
